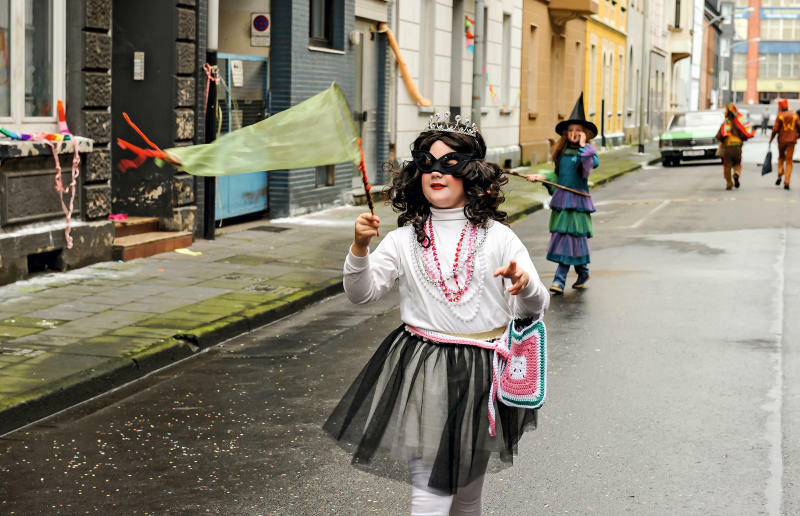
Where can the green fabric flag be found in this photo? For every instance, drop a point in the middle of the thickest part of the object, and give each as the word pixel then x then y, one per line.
pixel 318 131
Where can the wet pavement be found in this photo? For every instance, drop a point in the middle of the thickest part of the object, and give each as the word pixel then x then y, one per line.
pixel 673 385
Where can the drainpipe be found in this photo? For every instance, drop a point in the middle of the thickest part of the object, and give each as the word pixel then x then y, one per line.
pixel 477 63
pixel 645 77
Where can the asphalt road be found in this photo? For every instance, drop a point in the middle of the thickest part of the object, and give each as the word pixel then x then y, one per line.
pixel 673 385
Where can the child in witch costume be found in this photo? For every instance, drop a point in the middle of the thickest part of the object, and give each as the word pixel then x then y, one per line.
pixel 570 213
pixel 421 410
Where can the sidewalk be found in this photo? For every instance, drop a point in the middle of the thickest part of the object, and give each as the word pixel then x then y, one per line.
pixel 66 337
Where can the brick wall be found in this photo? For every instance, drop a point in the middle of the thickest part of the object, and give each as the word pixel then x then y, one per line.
pixel 89 96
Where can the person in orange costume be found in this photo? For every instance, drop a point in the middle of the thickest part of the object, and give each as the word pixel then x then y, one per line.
pixel 786 128
pixel 733 133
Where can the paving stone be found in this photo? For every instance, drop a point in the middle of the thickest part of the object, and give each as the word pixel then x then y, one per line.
pixel 68 312
pixel 140 331
pixel 45 368
pixel 78 331
pixel 170 322
pixel 42 339
pixel 110 319
pixel 244 259
pixel 12 332
pixel 195 293
pixel 155 305
pixel 31 322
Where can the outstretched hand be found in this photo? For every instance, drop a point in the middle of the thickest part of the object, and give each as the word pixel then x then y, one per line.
pixel 534 177
pixel 519 278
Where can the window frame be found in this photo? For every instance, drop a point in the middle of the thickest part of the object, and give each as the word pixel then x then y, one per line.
pixel 327 41
pixel 17 120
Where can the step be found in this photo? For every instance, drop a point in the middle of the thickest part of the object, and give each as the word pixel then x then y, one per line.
pixel 135 225
pixel 142 245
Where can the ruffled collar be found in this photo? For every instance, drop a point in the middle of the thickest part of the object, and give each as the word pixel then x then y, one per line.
pixel 447 214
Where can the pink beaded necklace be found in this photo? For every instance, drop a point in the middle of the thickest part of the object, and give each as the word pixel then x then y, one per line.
pixel 452 295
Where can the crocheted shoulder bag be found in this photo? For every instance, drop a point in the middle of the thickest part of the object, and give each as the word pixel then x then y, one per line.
pixel 520 372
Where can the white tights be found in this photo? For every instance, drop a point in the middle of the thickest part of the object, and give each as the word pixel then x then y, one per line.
pixel 466 502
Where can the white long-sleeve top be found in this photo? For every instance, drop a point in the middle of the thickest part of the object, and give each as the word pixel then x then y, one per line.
pixel 486 305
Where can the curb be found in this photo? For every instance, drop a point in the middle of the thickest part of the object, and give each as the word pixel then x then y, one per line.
pixel 118 371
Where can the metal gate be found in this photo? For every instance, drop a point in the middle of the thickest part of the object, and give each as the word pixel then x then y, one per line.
pixel 247 103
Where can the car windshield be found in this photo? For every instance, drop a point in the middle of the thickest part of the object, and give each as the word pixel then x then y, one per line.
pixel 696 120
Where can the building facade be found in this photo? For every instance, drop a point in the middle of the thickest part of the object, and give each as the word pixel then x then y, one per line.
pixel 710 65
pixel 766 50
pixel 553 54
pixel 71 52
pixel 434 40
pixel 606 34
pixel 679 17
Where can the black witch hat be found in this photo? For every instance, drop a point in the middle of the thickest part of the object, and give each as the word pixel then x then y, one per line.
pixel 578 116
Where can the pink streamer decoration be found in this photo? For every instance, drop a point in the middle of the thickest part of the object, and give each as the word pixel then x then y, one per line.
pixel 71 189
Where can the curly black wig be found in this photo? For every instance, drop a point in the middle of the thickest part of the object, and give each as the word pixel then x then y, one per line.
pixel 482 184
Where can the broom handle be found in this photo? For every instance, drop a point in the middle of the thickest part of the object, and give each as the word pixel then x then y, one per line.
pixel 549 183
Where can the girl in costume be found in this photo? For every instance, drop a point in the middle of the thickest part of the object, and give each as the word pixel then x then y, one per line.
pixel 570 213
pixel 733 132
pixel 420 409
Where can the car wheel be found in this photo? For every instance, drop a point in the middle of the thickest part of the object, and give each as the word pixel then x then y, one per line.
pixel 666 162
pixel 676 162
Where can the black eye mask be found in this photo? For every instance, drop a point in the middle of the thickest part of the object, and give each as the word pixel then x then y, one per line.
pixel 451 163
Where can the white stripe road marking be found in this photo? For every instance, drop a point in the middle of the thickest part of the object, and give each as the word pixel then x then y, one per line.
pixel 653 211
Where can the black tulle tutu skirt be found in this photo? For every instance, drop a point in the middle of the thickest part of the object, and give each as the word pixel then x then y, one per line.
pixel 428 402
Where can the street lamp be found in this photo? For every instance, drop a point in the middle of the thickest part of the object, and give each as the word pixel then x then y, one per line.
pixel 722 16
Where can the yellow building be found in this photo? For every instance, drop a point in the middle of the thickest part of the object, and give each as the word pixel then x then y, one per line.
pixel 553 50
pixel 605 69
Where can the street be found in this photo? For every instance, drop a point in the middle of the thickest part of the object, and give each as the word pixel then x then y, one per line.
pixel 673 384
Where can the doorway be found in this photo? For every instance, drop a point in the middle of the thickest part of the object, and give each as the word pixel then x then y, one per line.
pixel 246 103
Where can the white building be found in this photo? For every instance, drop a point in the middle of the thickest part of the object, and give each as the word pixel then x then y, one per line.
pixel 432 38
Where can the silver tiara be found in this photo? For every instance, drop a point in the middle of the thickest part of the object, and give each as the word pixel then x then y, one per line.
pixel 439 122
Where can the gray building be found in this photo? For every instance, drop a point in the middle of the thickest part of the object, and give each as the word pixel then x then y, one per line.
pixel 84 65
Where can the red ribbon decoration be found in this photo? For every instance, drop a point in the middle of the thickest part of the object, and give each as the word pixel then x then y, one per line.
pixel 362 166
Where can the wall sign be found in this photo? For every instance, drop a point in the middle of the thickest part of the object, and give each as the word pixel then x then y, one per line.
pixel 138 66
pixel 259 29
pixel 237 73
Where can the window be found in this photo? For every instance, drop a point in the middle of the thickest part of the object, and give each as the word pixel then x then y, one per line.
pixel 578 87
pixel 533 52
pixel 557 47
pixel 677 13
pixel 776 29
pixel 32 41
pixel 505 90
pixel 427 50
pixel 739 66
pixel 592 81
pixel 325 176
pixel 620 82
pixel 321 23
pixel 779 66
pixel 740 27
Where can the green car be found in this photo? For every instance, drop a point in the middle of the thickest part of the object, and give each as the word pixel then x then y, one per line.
pixel 691 136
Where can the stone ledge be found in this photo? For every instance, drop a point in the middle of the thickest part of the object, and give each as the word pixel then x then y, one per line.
pixel 28 148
